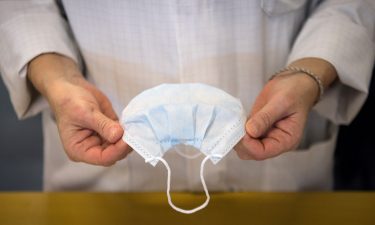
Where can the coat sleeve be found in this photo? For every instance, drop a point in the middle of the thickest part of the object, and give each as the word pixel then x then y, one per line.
pixel 342 33
pixel 28 29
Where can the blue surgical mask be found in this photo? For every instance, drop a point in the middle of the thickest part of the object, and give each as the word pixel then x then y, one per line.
pixel 194 114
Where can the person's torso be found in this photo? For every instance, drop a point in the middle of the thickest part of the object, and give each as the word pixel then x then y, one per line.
pixel 130 46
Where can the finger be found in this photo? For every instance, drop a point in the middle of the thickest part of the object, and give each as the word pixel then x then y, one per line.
pixel 279 141
pixel 107 128
pixel 288 132
pixel 108 156
pixel 276 142
pixel 241 149
pixel 83 140
pixel 104 104
pixel 103 101
pixel 77 136
pixel 250 148
pixel 108 110
pixel 81 147
pixel 264 119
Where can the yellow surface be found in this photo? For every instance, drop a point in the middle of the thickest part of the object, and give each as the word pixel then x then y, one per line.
pixel 152 208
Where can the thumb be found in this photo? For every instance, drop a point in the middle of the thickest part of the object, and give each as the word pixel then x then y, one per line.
pixel 264 119
pixel 107 128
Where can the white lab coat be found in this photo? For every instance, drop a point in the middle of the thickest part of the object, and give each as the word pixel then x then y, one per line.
pixel 129 46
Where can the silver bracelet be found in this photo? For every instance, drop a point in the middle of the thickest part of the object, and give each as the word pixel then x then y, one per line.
pixel 307 72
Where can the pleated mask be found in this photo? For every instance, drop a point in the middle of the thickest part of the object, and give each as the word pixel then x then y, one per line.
pixel 199 115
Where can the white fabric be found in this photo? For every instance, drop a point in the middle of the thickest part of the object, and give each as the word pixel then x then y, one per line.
pixel 129 46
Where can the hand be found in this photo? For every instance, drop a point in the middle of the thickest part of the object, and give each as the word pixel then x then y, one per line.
pixel 279 114
pixel 278 117
pixel 87 124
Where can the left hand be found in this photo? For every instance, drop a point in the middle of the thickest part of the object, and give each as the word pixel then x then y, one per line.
pixel 278 116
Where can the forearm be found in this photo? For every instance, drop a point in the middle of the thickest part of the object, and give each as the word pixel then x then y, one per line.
pixel 28 29
pixel 342 33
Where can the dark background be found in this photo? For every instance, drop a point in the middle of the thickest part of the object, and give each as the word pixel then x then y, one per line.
pixel 355 151
pixel 21 156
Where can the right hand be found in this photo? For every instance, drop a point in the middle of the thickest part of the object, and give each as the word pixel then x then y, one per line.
pixel 87 124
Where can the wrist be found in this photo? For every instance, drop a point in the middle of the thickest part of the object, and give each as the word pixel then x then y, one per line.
pixel 48 71
pixel 313 71
pixel 298 86
pixel 324 70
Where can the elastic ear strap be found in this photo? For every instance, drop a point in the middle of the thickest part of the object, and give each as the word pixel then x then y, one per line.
pixel 190 211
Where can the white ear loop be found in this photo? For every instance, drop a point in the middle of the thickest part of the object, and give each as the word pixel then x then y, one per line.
pixel 190 211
